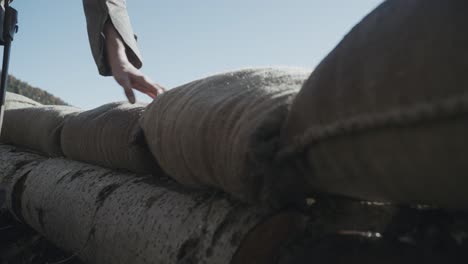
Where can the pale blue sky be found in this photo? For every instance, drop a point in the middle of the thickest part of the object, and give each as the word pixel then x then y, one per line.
pixel 180 40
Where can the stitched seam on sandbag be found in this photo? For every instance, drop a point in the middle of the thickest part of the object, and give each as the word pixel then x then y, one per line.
pixel 415 114
pixel 23 102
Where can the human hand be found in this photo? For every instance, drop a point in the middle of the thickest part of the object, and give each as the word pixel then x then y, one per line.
pixel 131 78
pixel 127 75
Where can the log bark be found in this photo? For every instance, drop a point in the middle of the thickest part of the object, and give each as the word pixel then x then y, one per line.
pixel 105 216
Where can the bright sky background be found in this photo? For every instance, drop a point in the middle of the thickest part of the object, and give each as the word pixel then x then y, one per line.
pixel 180 40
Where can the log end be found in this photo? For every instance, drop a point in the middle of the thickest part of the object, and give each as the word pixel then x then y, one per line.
pixel 263 244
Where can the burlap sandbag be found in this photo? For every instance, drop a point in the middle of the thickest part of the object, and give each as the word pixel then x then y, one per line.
pixel 222 131
pixel 109 136
pixel 37 128
pixel 384 116
pixel 14 101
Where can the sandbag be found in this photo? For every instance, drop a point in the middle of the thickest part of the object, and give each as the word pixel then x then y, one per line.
pixel 384 115
pixel 109 136
pixel 222 131
pixel 14 101
pixel 37 128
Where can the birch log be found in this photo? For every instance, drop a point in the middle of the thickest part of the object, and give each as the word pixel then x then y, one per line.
pixel 105 216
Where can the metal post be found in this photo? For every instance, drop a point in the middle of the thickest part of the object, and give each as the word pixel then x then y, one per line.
pixel 9 29
pixel 4 79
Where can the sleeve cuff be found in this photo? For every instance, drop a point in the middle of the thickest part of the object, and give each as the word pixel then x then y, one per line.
pixel 96 16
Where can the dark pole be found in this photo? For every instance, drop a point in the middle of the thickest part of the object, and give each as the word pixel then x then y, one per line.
pixel 9 29
pixel 5 64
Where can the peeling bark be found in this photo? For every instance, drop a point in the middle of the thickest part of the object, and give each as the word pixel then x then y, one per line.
pixel 104 216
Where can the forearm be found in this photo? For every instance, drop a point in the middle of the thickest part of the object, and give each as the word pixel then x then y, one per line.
pixel 115 47
pixel 99 15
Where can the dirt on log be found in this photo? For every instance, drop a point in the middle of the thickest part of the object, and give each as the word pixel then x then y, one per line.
pixel 105 216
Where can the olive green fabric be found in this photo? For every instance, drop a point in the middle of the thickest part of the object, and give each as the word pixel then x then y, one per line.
pixel 222 131
pixel 37 128
pixel 109 136
pixel 384 115
pixel 97 13
pixel 13 101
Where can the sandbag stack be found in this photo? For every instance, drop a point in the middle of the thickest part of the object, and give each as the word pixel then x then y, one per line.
pixel 14 101
pixel 381 118
pixel 218 132
pixel 222 131
pixel 384 115
pixel 37 128
pixel 109 136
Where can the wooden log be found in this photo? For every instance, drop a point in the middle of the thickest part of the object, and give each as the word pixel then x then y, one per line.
pixel 350 231
pixel 104 216
pixel 21 244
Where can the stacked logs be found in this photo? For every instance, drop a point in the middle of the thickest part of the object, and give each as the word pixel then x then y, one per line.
pixel 104 216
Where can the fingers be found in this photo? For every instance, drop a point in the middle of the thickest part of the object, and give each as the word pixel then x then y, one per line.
pixel 131 78
pixel 127 86
pixel 130 95
pixel 145 85
pixel 160 88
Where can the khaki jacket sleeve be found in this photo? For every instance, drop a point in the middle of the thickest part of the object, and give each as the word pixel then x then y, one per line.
pixel 97 13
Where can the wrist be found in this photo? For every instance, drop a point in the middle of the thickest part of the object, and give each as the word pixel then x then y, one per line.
pixel 116 50
pixel 117 57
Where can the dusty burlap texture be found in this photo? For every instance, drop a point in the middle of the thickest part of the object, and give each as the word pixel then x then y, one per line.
pixel 221 131
pixel 13 101
pixel 37 128
pixel 384 115
pixel 109 136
